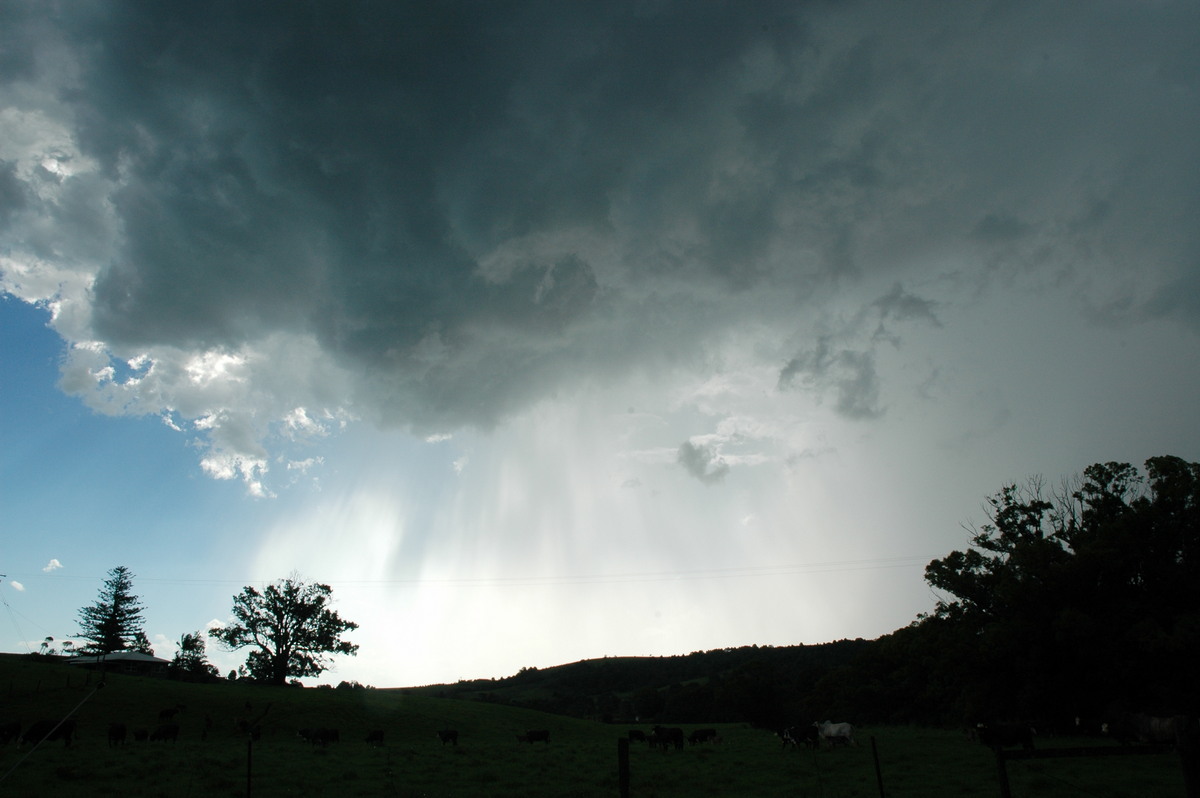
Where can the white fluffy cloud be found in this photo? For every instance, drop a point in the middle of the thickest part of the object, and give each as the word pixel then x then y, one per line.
pixel 53 565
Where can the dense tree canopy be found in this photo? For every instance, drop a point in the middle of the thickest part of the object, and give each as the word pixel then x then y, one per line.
pixel 292 628
pixel 114 622
pixel 1076 599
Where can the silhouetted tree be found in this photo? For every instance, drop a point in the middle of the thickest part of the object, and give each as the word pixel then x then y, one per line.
pixel 141 644
pixel 115 621
pixel 1068 598
pixel 191 662
pixel 292 628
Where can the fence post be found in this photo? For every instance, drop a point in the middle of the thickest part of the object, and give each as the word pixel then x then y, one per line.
pixel 1002 773
pixel 623 766
pixel 878 772
pixel 1187 743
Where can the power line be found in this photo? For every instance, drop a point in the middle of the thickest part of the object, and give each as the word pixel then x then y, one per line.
pixel 553 580
pixel 787 569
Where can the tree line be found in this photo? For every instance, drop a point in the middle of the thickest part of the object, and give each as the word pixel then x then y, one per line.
pixel 290 628
pixel 1072 603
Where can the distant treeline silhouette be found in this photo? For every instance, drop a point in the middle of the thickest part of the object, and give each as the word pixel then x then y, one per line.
pixel 1070 604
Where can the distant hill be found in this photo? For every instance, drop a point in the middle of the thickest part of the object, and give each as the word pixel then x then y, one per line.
pixel 764 685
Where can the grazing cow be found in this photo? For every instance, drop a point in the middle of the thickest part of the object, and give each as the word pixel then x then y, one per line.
pixel 836 733
pixel 448 736
pixel 1138 727
pixel 254 731
pixel 375 737
pixel 116 734
pixel 535 736
pixel 165 732
pixel 10 731
pixel 702 736
pixel 663 736
pixel 637 736
pixel 167 715
pixel 1003 735
pixel 795 735
pixel 321 737
pixel 50 730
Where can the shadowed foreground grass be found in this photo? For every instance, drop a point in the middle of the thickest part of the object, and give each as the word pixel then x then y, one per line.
pixel 580 761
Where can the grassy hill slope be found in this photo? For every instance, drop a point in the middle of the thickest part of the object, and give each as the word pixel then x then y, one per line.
pixel 580 760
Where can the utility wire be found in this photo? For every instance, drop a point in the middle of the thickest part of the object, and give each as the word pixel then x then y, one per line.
pixel 836 566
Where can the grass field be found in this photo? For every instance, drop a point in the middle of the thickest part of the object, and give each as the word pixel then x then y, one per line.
pixel 580 761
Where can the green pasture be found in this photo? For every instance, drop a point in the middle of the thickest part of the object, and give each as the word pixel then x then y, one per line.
pixel 580 760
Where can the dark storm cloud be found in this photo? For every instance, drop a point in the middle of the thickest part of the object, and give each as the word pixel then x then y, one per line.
pixel 12 193
pixel 848 374
pixel 467 205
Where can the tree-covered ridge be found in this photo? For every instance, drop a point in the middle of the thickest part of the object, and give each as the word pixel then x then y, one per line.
pixel 766 685
pixel 1068 603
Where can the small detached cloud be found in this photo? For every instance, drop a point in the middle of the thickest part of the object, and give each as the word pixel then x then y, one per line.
pixel 703 462
pixel 17 585
pixel 847 373
pixel 53 565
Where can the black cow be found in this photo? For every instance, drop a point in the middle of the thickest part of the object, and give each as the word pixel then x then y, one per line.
pixel 375 737
pixel 165 732
pixel 809 736
pixel 10 731
pixel 535 736
pixel 167 715
pixel 448 736
pixel 116 734
pixel 702 736
pixel 1138 727
pixel 1004 735
pixel 637 736
pixel 321 737
pixel 254 731
pixel 50 730
pixel 663 736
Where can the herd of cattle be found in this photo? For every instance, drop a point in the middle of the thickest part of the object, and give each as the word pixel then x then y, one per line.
pixel 167 730
pixel 1125 728
pixel 827 732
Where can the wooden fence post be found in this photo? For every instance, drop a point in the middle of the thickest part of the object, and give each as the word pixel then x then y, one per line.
pixel 1187 743
pixel 878 772
pixel 623 766
pixel 1002 774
